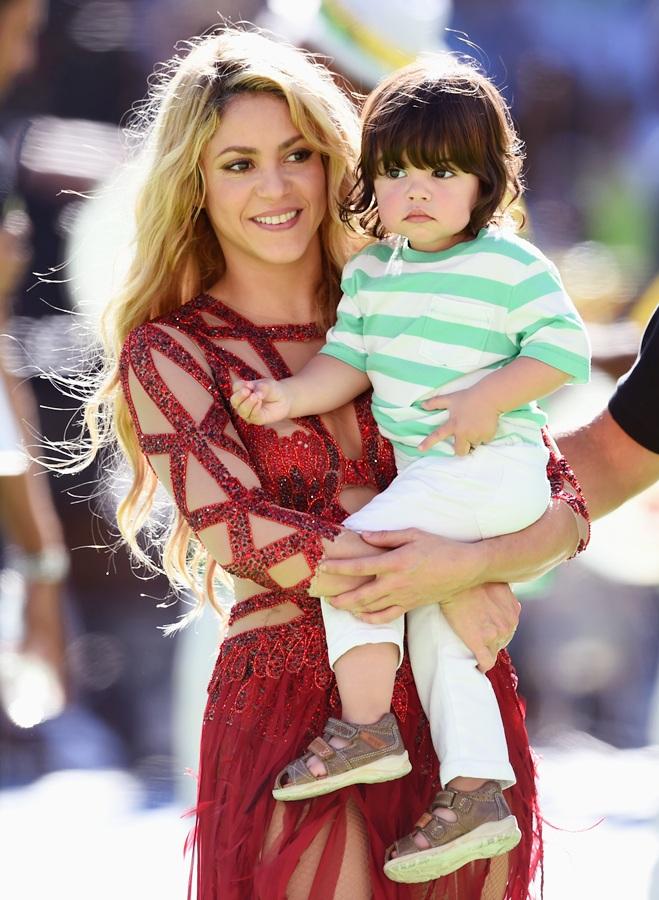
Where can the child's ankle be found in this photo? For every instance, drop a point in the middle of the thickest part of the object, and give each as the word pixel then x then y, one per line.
pixel 462 783
pixel 362 715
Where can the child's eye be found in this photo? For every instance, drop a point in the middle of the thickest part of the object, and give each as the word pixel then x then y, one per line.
pixel 238 165
pixel 299 155
pixel 394 172
pixel 443 173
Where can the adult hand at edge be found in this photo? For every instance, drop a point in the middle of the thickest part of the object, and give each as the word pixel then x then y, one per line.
pixel 485 617
pixel 347 546
pixel 418 568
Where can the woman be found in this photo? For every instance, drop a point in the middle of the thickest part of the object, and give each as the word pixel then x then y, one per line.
pixel 237 254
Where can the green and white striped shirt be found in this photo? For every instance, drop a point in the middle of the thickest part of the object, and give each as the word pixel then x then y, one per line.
pixel 423 323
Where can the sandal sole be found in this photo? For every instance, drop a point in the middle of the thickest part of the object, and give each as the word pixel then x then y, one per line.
pixel 488 840
pixel 387 769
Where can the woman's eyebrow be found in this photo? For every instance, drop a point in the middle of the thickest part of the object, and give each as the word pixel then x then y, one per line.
pixel 253 151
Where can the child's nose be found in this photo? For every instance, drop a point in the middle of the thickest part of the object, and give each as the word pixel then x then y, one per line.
pixel 418 190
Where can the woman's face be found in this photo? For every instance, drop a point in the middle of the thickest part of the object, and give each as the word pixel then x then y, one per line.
pixel 266 192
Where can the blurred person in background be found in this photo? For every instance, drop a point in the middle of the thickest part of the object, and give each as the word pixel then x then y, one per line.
pixel 31 537
pixel 37 733
pixel 20 24
pixel 63 141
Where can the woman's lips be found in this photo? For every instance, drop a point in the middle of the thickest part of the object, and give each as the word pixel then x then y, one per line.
pixel 277 221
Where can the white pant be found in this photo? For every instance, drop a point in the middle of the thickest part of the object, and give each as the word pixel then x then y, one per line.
pixel 493 490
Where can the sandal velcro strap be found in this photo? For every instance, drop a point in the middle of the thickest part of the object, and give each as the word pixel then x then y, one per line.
pixel 337 728
pixel 456 800
pixel 445 799
pixel 436 829
pixel 321 748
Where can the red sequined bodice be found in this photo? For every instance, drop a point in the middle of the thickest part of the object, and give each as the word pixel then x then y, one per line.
pixel 259 496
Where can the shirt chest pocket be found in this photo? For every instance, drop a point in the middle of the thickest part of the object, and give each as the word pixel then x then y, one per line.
pixel 454 334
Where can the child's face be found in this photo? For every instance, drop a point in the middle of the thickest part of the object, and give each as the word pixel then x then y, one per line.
pixel 430 207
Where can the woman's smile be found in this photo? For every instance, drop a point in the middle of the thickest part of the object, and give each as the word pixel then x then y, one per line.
pixel 278 221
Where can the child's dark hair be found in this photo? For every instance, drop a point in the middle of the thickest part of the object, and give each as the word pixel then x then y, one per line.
pixel 440 112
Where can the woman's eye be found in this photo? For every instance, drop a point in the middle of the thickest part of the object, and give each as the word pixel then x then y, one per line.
pixel 443 173
pixel 395 172
pixel 238 165
pixel 300 155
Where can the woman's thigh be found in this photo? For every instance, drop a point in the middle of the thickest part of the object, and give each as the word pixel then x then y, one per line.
pixel 353 881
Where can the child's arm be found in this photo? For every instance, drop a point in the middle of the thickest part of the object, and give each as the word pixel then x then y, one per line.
pixel 474 413
pixel 324 384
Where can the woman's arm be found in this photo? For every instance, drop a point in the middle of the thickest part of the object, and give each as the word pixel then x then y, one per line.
pixel 442 568
pixel 420 565
pixel 422 568
pixel 182 419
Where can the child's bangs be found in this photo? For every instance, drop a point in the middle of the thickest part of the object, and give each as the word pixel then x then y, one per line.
pixel 426 136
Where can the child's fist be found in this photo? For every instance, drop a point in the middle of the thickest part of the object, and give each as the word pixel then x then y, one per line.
pixel 260 402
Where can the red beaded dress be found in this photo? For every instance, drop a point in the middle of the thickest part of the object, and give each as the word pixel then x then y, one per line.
pixel 261 500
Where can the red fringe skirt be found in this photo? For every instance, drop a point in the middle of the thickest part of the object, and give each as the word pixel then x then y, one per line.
pixel 271 692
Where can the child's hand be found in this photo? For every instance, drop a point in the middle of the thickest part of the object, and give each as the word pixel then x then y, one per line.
pixel 472 420
pixel 261 402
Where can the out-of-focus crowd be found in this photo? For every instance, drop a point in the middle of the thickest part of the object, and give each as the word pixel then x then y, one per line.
pixel 581 78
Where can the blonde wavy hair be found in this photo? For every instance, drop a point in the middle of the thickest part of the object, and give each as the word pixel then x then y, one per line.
pixel 176 254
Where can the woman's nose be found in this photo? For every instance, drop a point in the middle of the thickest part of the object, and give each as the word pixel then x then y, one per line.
pixel 273 182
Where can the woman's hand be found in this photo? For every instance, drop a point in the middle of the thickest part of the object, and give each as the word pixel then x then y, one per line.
pixel 485 617
pixel 419 568
pixel 422 568
pixel 346 546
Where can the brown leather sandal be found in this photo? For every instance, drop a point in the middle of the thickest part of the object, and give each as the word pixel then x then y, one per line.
pixel 374 753
pixel 484 827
